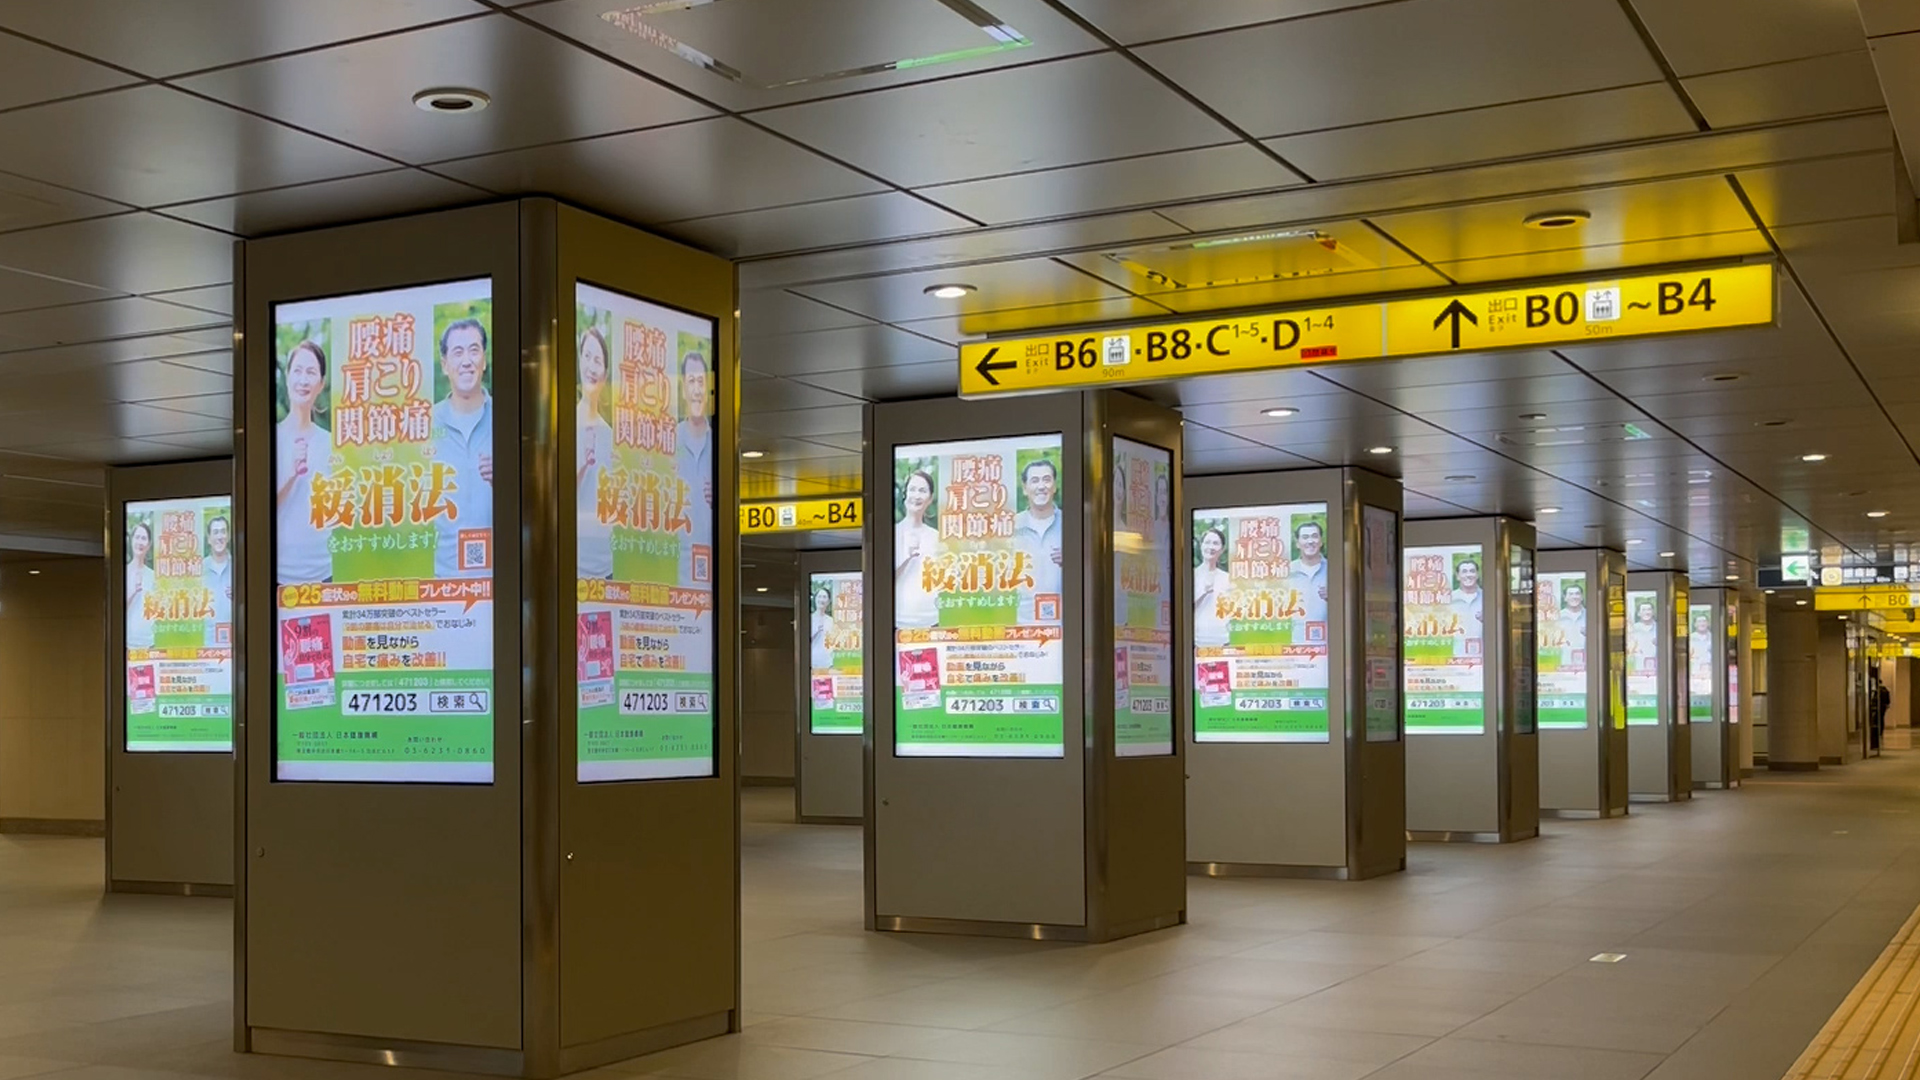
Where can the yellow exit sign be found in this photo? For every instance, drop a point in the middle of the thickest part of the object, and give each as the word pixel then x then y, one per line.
pixel 1529 316
pixel 1867 598
pixel 801 515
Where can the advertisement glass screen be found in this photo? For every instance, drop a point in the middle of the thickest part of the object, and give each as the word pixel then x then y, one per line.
pixel 837 660
pixel 179 611
pixel 1142 600
pixel 1643 658
pixel 383 544
pixel 1561 633
pixel 1445 648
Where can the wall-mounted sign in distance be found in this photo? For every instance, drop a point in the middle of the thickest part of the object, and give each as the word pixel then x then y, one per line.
pixel 1428 324
pixel 801 515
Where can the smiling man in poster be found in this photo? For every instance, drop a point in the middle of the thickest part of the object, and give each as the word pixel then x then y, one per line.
pixel 463 439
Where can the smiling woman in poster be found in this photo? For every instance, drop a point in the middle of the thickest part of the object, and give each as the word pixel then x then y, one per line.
pixel 913 541
pixel 823 626
pixel 592 453
pixel 300 449
pixel 1210 584
pixel 139 585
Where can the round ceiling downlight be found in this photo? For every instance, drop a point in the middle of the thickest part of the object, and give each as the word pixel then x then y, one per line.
pixel 451 99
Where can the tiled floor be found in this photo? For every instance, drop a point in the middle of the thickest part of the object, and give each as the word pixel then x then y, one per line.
pixel 1745 916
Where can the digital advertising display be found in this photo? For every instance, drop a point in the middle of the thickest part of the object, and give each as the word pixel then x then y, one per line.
pixel 383 544
pixel 1260 624
pixel 837 661
pixel 978 572
pixel 1561 635
pixel 645 484
pixel 179 609
pixel 1700 662
pixel 1644 628
pixel 1521 638
pixel 1380 606
pixel 1444 645
pixel 1142 600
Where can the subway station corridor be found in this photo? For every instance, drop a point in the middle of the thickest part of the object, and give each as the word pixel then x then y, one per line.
pixel 1745 917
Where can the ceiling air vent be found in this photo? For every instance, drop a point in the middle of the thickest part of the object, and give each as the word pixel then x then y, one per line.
pixel 1246 259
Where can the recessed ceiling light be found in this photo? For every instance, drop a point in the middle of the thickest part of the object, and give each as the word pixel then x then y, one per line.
pixel 1770 592
pixel 952 290
pixel 1549 510
pixel 451 99
pixel 1556 219
pixel 1733 577
pixel 33 571
pixel 1877 513
pixel 1379 449
pixel 1813 457
pixel 762 588
pixel 1635 543
pixel 1801 603
pixel 1461 478
pixel 1666 554
pixel 751 454
pixel 1280 413
pixel 1725 376
pixel 1533 416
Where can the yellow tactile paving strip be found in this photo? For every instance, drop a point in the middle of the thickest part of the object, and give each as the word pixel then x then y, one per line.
pixel 1875 1034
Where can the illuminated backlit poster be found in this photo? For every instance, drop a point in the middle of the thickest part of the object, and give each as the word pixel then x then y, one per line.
pixel 1700 662
pixel 1380 605
pixel 179 611
pixel 1142 600
pixel 978 572
pixel 1260 624
pixel 1444 644
pixel 837 664
pixel 1617 652
pixel 1561 631
pixel 1521 638
pixel 383 540
pixel 1643 659
pixel 644 481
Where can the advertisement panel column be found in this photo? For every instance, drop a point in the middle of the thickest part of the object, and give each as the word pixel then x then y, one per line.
pixel 1445 642
pixel 1142 600
pixel 1260 624
pixel 179 625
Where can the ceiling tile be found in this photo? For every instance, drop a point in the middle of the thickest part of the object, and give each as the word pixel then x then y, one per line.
pixel 36 73
pixel 34 363
pixel 769 42
pixel 217 299
pixel 1131 22
pixel 766 394
pixel 860 219
pixel 125 317
pixel 1625 214
pixel 1443 55
pixel 818 425
pixel 150 145
pixel 26 204
pixel 668 174
pixel 999 286
pixel 1701 35
pixel 1805 192
pixel 329 202
pixel 1889 17
pixel 1607 258
pixel 953 329
pixel 21 292
pixel 767 312
pixel 1070 112
pixel 1113 185
pixel 1510 130
pixel 169 37
pixel 1787 91
pixel 543 91
pixel 128 253
pixel 892 383
pixel 837 350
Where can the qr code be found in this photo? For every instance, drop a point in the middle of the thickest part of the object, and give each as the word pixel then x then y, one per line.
pixel 473 553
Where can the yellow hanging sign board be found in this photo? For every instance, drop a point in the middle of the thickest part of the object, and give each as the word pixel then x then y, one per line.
pixel 1867 598
pixel 801 515
pixel 1529 316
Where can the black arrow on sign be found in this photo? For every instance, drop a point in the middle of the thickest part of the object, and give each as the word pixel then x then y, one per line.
pixel 986 367
pixel 1455 311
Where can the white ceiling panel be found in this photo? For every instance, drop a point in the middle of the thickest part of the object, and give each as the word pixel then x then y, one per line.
pixel 837 350
pixel 215 299
pixel 668 174
pixel 21 292
pixel 1491 133
pixel 782 52
pixel 150 145
pixel 1131 22
pixel 93 321
pixel 1072 111
pixel 1608 258
pixel 36 73
pixel 860 219
pixel 1788 91
pixel 1803 193
pixel 329 202
pixel 892 383
pixel 768 312
pixel 1442 55
pixel 999 286
pixel 1302 290
pixel 952 329
pixel 170 37
pixel 1699 36
pixel 542 91
pixel 1113 185
pixel 128 253
pixel 766 394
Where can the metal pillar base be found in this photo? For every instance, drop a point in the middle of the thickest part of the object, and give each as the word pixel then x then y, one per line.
pixel 1270 870
pixel 169 888
pixel 914 924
